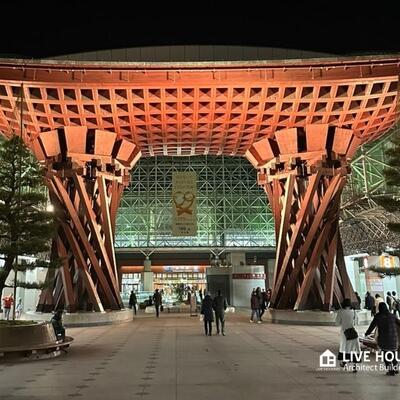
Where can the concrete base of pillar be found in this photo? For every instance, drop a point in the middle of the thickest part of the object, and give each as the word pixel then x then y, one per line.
pixel 290 317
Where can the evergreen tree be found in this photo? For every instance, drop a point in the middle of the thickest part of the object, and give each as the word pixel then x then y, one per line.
pixel 26 227
pixel 392 203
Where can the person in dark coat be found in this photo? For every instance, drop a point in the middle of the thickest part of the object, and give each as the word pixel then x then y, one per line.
pixel 261 299
pixel 268 298
pixel 388 342
pixel 370 303
pixel 220 305
pixel 207 312
pixel 395 304
pixel 358 304
pixel 157 302
pixel 133 301
pixel 255 306
pixel 389 300
pixel 56 321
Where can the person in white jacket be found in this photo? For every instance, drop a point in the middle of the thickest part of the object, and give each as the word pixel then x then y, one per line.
pixel 349 348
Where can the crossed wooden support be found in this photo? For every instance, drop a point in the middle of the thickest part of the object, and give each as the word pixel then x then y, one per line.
pixel 86 172
pixel 303 172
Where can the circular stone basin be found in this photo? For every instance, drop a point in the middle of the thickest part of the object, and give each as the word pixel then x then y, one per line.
pixel 27 336
pixel 86 318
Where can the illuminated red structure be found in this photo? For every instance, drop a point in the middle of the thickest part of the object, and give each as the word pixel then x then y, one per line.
pixel 298 122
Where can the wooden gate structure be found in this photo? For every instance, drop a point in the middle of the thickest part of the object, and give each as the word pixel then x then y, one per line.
pixel 298 122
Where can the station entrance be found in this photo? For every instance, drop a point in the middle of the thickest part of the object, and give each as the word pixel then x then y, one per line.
pixel 173 281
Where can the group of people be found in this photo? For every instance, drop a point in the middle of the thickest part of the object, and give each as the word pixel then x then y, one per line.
pixel 8 302
pixel 259 302
pixel 385 322
pixel 392 302
pixel 216 306
pixel 155 300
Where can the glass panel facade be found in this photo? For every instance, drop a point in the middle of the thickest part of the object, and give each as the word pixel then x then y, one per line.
pixel 232 209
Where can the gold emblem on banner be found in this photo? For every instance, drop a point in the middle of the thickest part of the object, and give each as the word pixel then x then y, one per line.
pixel 184 207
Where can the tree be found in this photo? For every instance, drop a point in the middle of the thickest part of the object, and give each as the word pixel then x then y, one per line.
pixel 391 203
pixel 26 227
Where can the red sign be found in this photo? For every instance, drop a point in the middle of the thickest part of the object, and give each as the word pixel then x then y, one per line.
pixel 248 276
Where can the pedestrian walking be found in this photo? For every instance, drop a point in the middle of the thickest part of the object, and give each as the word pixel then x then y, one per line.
pixel 389 300
pixel 133 301
pixel 387 325
pixel 220 305
pixel 349 344
pixel 207 312
pixel 157 302
pixel 369 302
pixel 358 304
pixel 255 307
pixel 58 326
pixel 193 304
pixel 18 309
pixel 395 304
pixel 268 298
pixel 261 298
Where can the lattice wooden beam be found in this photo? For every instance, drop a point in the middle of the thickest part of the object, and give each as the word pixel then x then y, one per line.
pixel 200 108
pixel 303 173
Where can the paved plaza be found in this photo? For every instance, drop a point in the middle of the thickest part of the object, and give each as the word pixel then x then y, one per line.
pixel 171 358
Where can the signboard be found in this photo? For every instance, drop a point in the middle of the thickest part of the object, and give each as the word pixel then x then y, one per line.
pixel 183 268
pixel 374 282
pixel 387 262
pixel 184 205
pixel 249 276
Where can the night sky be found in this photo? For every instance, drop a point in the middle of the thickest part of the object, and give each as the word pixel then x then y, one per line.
pixel 77 26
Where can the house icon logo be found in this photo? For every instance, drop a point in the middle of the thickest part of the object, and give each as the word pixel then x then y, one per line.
pixel 327 360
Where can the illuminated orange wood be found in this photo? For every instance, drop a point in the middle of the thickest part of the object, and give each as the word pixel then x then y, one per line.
pixel 82 187
pixel 201 108
pixel 304 182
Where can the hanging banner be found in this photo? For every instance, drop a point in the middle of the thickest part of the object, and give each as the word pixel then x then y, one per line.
pixel 184 207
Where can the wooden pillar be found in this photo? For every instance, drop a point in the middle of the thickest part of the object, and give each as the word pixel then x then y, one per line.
pixel 86 172
pixel 303 172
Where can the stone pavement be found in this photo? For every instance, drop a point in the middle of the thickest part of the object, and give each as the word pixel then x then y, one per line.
pixel 171 358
